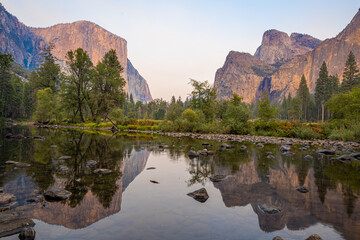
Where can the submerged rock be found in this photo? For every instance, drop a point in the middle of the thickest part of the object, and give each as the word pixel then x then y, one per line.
pixel 192 154
pixel 326 151
pixel 56 194
pixel 102 171
pixel 314 237
pixel 309 157
pixel 27 233
pixel 259 145
pixel 269 209
pixel 6 198
pixel 302 189
pixel 243 147
pixel 217 178
pixel 91 163
pixel 200 195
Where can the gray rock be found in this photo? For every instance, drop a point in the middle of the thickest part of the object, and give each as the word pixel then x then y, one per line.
pixel 269 209
pixel 6 198
pixel 63 168
pixel 285 148
pixel 308 157
pixel 243 147
pixel 259 145
pixel 11 162
pixel 56 194
pixel 102 171
pixel 200 195
pixel 302 189
pixel 217 178
pixel 270 157
pixel 356 155
pixel 27 233
pixel 40 138
pixel 226 146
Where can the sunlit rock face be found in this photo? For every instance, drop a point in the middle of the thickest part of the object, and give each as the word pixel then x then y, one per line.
pixel 25 44
pixel 288 58
pixel 278 47
pixel 18 40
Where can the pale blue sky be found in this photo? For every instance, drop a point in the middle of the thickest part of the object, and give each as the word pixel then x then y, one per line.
pixel 172 41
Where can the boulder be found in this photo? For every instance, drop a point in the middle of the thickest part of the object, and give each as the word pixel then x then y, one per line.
pixel 27 233
pixel 10 225
pixel 200 195
pixel 302 189
pixel 102 171
pixel 6 198
pixel 56 194
pixel 217 178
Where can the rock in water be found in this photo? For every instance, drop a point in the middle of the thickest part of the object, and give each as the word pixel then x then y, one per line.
pixel 102 171
pixel 10 225
pixel 192 154
pixel 27 233
pixel 91 163
pixel 302 189
pixel 269 209
pixel 11 162
pixel 326 151
pixel 314 237
pixel 6 198
pixel 285 148
pixel 56 194
pixel 217 178
pixel 64 157
pixel 277 238
pixel 200 195
pixel 308 157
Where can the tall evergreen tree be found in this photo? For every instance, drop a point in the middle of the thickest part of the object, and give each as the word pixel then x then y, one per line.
pixel 5 83
pixel 351 75
pixel 321 89
pixel 303 94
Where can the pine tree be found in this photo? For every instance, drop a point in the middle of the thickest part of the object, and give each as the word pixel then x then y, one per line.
pixel 303 94
pixel 266 110
pixel 5 83
pixel 321 89
pixel 351 75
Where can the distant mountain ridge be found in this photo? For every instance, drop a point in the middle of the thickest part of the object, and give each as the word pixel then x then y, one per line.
pixel 284 60
pixel 24 44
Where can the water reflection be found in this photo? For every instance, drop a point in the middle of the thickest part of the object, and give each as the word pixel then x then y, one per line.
pixel 254 178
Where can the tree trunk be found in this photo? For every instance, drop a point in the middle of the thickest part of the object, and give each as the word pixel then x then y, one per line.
pixel 322 111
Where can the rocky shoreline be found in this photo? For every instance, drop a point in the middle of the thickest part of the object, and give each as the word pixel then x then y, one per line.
pixel 325 143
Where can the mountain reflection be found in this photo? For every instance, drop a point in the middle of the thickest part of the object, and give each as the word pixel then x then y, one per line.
pixel 332 197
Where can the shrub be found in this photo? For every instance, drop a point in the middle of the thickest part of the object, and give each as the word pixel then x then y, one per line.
pixel 236 119
pixel 305 132
pixel 342 134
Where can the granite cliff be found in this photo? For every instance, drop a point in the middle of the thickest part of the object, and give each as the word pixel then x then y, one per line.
pixel 287 58
pixel 24 44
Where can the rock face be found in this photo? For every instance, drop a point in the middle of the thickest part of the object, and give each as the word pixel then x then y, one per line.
pixel 24 44
pixel 18 40
pixel 137 85
pixel 287 58
pixel 241 74
pixel 278 47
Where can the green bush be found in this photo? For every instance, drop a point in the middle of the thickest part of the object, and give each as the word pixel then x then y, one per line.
pixel 236 119
pixel 305 132
pixel 342 134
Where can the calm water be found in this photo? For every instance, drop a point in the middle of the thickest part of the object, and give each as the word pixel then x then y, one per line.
pixel 126 205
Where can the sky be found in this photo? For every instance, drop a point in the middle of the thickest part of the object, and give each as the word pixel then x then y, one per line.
pixel 171 42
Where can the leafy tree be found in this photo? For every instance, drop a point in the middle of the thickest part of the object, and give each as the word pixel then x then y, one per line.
pixel 236 116
pixel 76 86
pixel 266 110
pixel 351 75
pixel 48 74
pixel 346 105
pixel 107 86
pixel 44 105
pixel 303 94
pixel 203 98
